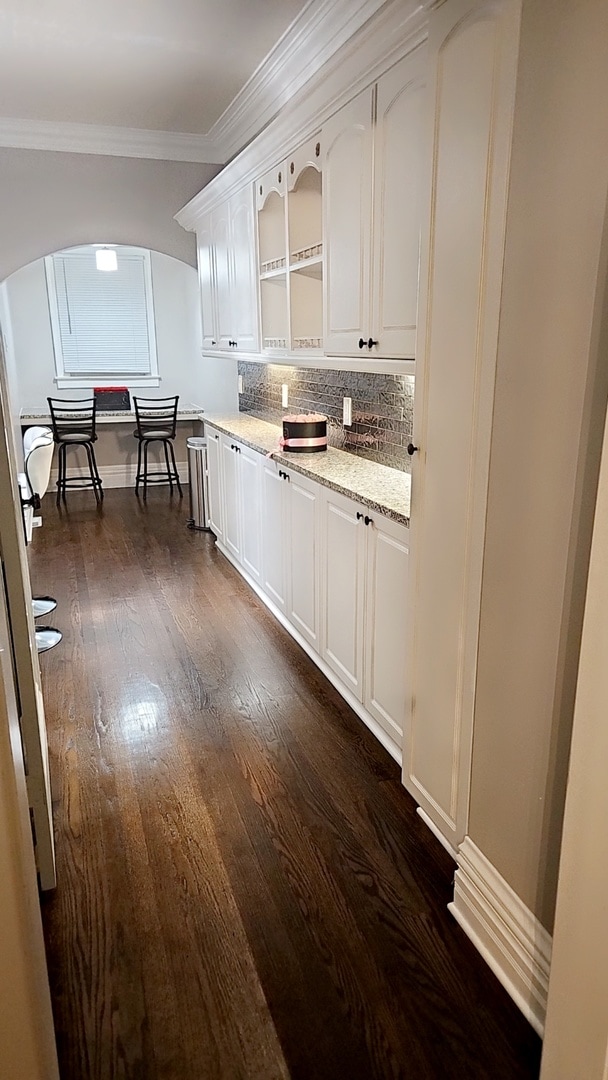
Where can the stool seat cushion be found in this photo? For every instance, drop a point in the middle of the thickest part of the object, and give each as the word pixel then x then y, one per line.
pixel 75 437
pixel 159 434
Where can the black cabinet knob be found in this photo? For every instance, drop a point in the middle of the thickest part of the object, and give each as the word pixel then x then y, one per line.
pixel 368 520
pixel 411 449
pixel 371 343
pixel 214 342
pixel 361 343
pixel 359 516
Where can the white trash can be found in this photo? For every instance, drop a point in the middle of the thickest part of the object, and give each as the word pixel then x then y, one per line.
pixel 199 483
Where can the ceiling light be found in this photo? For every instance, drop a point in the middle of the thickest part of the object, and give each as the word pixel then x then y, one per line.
pixel 105 259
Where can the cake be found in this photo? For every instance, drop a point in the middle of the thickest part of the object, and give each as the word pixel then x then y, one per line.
pixel 305 433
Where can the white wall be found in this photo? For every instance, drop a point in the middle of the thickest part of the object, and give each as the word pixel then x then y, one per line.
pixel 50 201
pixel 178 335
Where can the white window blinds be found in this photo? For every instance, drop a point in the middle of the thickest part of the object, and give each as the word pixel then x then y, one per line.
pixel 104 324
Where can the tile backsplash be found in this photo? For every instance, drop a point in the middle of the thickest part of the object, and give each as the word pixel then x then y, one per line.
pixel 382 406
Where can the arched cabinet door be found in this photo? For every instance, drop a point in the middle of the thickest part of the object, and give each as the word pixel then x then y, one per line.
pixel 243 290
pixel 347 180
pixel 396 218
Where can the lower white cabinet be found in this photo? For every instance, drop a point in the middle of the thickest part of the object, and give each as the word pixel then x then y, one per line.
pixel 365 574
pixel 216 493
pixel 274 576
pixel 240 478
pixel 343 590
pixel 386 624
pixel 290 546
pixel 304 499
pixel 335 571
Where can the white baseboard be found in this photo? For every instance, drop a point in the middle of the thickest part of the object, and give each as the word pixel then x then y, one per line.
pixel 506 933
pixel 393 749
pixel 116 476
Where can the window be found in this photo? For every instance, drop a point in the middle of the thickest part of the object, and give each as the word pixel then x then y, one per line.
pixel 102 321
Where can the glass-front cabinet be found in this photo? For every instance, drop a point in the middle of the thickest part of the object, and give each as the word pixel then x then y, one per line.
pixel 290 244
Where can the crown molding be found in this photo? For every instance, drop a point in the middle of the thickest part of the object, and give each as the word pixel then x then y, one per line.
pixel 398 28
pixel 112 141
pixel 319 31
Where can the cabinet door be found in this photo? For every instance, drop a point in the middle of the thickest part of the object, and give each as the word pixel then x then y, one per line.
pixel 343 590
pixel 244 277
pixel 216 517
pixel 273 535
pixel 387 624
pixel 304 500
pixel 347 179
pixel 396 217
pixel 249 463
pixel 223 274
pixel 232 509
pixel 473 47
pixel 207 284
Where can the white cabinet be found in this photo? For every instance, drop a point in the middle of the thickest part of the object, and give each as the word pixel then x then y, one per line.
pixel 274 556
pixel 249 464
pixel 343 590
pixel 304 500
pixel 473 48
pixel 364 604
pixel 216 493
pixel 240 467
pixel 372 215
pixel 226 258
pixel 290 542
pixel 335 571
pixel 386 624
pixel 290 243
pixel 206 280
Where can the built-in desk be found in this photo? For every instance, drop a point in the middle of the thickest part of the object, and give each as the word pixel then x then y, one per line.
pixel 116 447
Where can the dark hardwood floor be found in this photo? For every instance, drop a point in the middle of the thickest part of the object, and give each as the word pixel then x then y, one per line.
pixel 245 889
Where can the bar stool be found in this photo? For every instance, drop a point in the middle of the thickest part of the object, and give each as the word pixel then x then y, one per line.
pixel 73 422
pixel 156 420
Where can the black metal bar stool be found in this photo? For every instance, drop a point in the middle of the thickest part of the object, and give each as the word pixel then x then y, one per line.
pixel 156 420
pixel 73 423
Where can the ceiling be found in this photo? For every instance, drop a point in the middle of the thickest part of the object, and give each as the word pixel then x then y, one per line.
pixel 146 64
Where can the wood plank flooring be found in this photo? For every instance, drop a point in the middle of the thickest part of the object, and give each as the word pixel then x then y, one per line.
pixel 245 889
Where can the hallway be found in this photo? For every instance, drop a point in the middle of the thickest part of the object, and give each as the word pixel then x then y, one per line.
pixel 245 890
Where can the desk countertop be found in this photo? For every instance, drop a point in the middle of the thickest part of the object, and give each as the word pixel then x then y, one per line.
pixel 119 416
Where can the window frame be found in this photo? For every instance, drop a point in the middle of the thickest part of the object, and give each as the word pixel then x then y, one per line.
pixel 64 381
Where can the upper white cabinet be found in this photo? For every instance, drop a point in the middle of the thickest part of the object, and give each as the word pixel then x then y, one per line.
pixel 372 216
pixel 290 244
pixel 226 259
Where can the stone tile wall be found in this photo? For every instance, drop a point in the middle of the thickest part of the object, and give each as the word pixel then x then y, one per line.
pixel 382 406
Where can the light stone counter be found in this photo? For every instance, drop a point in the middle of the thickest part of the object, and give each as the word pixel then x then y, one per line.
pixel 376 486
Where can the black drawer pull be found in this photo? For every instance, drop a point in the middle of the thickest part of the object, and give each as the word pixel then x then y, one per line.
pixel 368 520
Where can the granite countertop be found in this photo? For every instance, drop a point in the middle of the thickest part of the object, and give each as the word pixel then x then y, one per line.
pixel 376 486
pixel 111 415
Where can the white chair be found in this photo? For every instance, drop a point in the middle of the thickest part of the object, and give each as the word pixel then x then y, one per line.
pixel 38 447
